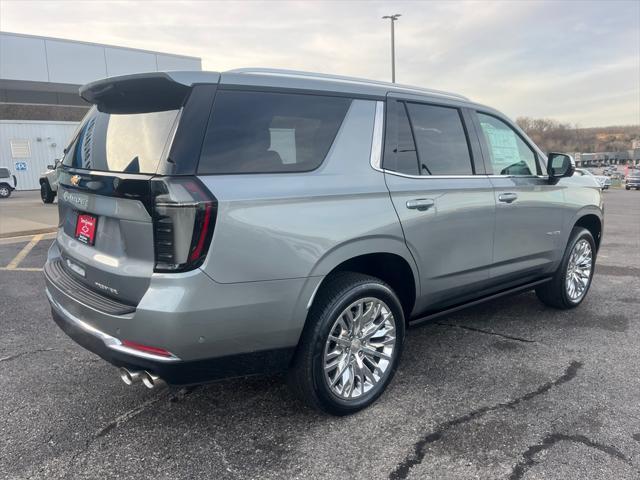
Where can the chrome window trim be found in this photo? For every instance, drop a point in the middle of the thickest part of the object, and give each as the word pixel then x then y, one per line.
pixel 376 140
pixel 375 159
pixel 481 175
pixel 421 177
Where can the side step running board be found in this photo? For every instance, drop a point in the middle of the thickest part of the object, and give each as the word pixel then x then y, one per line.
pixel 503 293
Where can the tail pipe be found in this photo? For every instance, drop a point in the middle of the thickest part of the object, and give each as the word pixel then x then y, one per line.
pixel 130 377
pixel 149 380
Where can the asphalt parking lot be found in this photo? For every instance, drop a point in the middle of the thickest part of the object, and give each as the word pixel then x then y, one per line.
pixel 506 390
pixel 23 212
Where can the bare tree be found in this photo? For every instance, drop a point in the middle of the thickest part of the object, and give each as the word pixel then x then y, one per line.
pixel 554 136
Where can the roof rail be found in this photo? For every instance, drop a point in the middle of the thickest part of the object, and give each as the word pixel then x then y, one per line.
pixel 324 76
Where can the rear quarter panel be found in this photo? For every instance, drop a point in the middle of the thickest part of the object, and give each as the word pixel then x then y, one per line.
pixel 279 226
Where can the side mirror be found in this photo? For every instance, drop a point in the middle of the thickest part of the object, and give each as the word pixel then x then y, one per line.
pixel 56 164
pixel 560 165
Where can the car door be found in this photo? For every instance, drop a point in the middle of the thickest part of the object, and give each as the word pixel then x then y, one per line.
pixel 442 197
pixel 529 210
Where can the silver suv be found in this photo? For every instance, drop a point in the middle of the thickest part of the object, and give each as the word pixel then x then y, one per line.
pixel 252 221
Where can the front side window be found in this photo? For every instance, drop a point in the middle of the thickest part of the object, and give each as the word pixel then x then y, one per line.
pixel 441 140
pixel 264 132
pixel 508 153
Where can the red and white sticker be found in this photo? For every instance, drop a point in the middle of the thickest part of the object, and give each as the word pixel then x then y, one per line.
pixel 86 229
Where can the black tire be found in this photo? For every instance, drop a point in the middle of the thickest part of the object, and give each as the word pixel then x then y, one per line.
pixel 627 187
pixel 5 190
pixel 307 375
pixel 554 293
pixel 46 193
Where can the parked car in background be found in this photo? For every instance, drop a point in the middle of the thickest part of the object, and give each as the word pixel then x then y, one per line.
pixel 8 182
pixel 287 221
pixel 49 182
pixel 632 180
pixel 599 180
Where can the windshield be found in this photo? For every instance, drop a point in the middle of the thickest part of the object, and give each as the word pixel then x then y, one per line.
pixel 129 143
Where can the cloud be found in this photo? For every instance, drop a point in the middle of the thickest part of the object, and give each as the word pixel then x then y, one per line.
pixel 571 60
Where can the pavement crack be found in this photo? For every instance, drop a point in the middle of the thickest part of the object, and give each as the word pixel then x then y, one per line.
pixel 118 421
pixel 129 414
pixel 420 447
pixel 549 441
pixel 487 332
pixel 22 354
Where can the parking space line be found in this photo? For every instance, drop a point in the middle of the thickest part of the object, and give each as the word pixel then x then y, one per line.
pixel 23 253
pixel 21 269
pixel 20 238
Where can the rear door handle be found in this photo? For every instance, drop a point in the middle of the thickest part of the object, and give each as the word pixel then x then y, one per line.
pixel 421 204
pixel 507 197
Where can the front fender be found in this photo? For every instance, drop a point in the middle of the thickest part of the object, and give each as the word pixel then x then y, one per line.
pixel 575 215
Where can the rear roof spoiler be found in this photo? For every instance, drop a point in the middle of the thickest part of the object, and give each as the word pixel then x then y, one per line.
pixel 144 92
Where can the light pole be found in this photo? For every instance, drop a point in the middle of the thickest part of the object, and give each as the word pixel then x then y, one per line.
pixel 393 19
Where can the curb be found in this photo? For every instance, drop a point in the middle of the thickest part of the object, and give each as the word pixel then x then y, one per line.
pixel 25 233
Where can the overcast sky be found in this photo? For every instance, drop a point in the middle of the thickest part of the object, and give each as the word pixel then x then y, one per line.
pixel 575 61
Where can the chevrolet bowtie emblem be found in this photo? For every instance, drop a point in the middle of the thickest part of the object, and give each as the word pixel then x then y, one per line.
pixel 75 180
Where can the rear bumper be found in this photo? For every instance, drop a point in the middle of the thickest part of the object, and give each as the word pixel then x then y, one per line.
pixel 213 330
pixel 174 371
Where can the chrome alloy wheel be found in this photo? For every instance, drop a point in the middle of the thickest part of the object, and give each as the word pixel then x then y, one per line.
pixel 579 270
pixel 360 348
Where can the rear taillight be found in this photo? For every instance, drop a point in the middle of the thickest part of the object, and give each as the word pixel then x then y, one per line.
pixel 184 215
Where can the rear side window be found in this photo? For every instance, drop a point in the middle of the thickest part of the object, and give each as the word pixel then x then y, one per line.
pixel 4 173
pixel 130 143
pixel 400 150
pixel 441 140
pixel 264 132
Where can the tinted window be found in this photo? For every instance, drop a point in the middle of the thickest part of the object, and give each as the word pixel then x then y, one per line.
pixel 441 140
pixel 131 143
pixel 509 154
pixel 400 151
pixel 258 132
pixel 4 173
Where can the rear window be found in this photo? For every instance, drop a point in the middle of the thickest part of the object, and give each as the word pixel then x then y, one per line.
pixel 4 173
pixel 128 143
pixel 264 132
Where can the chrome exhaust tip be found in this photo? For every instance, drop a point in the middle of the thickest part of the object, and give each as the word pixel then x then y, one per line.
pixel 129 377
pixel 151 381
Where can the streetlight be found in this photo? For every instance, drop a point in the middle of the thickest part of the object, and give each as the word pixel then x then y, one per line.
pixel 393 19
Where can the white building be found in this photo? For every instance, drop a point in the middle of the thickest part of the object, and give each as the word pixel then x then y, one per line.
pixel 39 103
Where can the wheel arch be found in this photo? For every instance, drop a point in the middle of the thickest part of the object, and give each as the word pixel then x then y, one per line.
pixel 593 223
pixel 386 258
